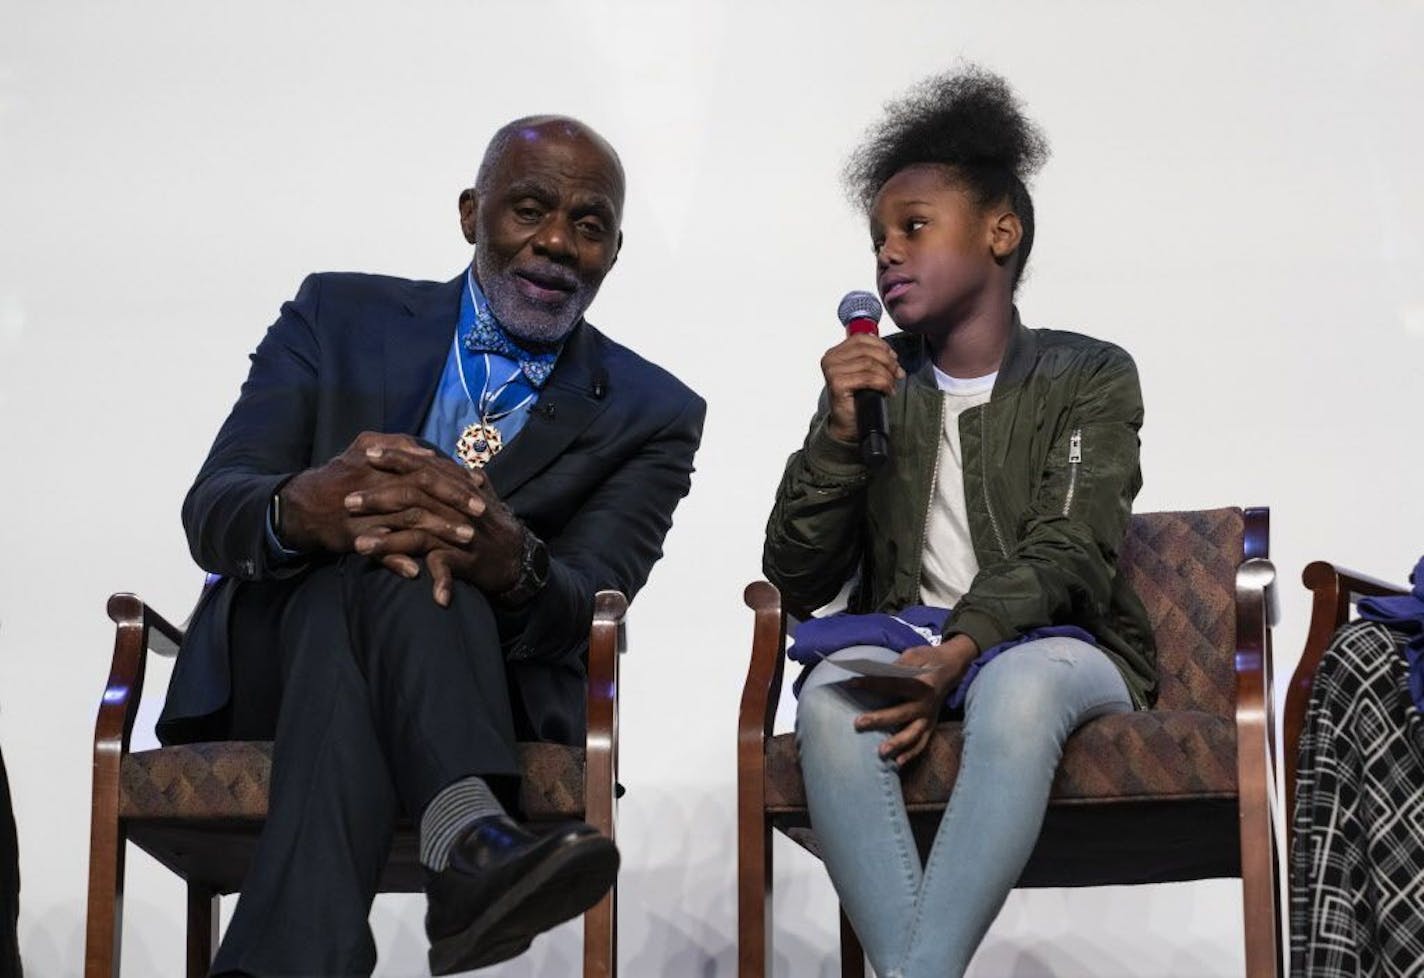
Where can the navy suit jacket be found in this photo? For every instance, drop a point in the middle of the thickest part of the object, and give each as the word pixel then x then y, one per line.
pixel 595 473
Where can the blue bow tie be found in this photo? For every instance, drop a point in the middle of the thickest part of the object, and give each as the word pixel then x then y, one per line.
pixel 486 335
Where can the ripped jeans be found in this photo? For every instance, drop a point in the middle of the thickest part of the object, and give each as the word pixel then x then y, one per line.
pixel 926 921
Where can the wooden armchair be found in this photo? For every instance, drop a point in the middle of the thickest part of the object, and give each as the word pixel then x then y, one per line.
pixel 198 808
pixel 1334 593
pixel 1181 792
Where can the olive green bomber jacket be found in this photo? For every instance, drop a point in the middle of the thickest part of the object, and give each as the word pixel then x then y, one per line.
pixel 1050 471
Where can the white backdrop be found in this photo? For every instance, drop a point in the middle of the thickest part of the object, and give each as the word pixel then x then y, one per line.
pixel 1233 196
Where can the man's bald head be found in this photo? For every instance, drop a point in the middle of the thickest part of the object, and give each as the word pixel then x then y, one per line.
pixel 532 127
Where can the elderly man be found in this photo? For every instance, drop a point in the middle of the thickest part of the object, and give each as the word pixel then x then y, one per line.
pixel 413 502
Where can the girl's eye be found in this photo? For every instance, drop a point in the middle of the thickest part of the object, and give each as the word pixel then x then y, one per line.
pixel 914 224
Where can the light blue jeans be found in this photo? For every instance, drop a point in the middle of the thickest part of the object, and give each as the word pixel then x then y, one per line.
pixel 926 921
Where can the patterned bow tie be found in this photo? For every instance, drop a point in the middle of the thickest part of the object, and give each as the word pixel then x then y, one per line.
pixel 486 335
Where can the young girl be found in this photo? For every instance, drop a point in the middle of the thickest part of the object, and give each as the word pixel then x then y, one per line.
pixel 1014 462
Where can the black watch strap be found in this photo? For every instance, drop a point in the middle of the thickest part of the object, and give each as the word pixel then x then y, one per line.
pixel 533 572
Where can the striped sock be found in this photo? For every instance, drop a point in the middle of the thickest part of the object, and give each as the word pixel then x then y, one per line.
pixel 449 814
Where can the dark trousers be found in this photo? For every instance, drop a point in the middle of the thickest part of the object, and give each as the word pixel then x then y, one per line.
pixel 376 699
pixel 9 883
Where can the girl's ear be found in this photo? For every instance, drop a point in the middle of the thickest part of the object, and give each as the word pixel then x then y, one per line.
pixel 1005 233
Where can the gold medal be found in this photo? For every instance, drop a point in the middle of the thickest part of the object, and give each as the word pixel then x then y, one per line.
pixel 478 443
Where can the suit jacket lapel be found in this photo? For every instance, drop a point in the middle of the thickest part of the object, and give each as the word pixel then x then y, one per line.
pixel 415 351
pixel 567 405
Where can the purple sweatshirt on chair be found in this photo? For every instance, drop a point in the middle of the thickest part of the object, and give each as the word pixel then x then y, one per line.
pixel 816 638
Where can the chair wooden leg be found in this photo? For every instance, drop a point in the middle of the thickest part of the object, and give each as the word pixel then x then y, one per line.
pixel 600 938
pixel 1260 862
pixel 203 918
pixel 1260 900
pixel 852 954
pixel 754 948
pixel 104 926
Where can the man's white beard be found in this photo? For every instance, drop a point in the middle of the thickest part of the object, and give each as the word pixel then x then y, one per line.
pixel 522 319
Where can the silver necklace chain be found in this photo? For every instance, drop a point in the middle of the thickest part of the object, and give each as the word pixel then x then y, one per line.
pixel 487 399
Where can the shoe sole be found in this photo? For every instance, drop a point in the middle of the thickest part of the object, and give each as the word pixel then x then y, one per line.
pixel 568 883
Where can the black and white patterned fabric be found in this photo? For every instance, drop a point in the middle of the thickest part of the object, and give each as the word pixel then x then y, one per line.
pixel 1357 871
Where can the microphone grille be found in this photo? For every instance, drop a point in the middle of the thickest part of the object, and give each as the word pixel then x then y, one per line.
pixel 858 305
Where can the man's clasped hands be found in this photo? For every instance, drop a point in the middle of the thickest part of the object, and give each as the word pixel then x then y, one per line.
pixel 396 499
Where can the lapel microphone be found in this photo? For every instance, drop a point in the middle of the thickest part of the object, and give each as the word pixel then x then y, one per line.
pixel 598 388
pixel 859 312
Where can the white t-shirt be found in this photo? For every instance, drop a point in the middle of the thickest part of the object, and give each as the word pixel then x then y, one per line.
pixel 949 562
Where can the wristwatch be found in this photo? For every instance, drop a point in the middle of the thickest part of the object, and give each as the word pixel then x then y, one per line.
pixel 275 519
pixel 533 572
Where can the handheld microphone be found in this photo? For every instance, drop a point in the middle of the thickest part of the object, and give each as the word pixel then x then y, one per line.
pixel 859 312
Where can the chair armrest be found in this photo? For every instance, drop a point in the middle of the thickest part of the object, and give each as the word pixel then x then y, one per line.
pixel 1257 612
pixel 1320 575
pixel 138 630
pixel 607 639
pixel 762 689
pixel 1334 590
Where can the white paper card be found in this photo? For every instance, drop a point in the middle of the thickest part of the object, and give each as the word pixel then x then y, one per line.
pixel 874 667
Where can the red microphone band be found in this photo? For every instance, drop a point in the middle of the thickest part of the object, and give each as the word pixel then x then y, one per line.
pixel 862 324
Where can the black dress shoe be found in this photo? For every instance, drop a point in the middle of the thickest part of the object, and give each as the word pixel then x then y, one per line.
pixel 505 885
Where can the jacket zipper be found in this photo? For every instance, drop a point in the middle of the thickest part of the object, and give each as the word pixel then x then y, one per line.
pixel 1075 459
pixel 929 503
pixel 984 467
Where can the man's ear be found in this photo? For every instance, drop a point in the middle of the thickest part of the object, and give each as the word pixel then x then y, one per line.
pixel 617 249
pixel 1005 233
pixel 469 213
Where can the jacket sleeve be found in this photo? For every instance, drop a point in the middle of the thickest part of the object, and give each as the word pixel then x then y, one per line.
pixel 814 534
pixel 611 542
pixel 1062 564
pixel 266 439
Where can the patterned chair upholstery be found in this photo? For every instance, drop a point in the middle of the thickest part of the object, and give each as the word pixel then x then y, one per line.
pixel 229 780
pixel 1152 796
pixel 198 808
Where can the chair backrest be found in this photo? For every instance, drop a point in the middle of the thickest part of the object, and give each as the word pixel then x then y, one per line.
pixel 1183 567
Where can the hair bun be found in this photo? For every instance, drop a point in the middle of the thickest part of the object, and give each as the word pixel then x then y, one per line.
pixel 963 118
